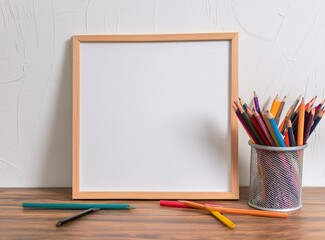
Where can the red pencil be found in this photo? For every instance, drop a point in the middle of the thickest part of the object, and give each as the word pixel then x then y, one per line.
pixel 264 128
pixel 258 128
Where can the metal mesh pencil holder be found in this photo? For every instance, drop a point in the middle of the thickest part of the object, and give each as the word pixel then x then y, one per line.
pixel 276 177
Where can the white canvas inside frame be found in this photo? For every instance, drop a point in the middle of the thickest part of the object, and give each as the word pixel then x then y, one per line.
pixel 154 116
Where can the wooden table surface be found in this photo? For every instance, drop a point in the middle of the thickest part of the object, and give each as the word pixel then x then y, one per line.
pixel 150 221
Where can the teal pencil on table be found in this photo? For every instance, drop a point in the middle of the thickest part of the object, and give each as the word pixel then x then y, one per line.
pixel 108 206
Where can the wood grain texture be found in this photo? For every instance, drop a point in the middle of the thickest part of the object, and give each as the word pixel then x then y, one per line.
pixel 150 221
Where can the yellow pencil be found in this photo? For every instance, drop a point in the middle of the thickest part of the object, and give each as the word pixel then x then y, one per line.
pixel 226 221
pixel 301 123
pixel 215 213
pixel 275 106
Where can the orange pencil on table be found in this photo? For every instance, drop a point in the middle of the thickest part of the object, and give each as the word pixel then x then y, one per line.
pixel 275 106
pixel 301 123
pixel 237 211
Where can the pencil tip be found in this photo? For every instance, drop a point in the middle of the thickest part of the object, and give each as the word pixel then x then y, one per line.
pixel 132 207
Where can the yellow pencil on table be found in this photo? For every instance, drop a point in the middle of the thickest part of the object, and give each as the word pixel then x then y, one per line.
pixel 208 208
pixel 226 221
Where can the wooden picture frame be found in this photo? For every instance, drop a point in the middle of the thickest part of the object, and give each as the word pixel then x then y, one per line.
pixel 152 116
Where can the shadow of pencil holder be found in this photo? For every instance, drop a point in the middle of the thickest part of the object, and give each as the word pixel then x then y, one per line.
pixel 276 178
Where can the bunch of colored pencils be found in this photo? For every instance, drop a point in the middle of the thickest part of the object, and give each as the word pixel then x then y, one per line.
pixel 264 127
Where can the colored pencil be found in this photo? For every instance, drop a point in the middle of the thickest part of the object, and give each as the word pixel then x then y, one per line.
pixel 264 128
pixel 284 121
pixel 243 104
pixel 308 124
pixel 177 204
pixel 311 102
pixel 246 127
pixel 256 103
pixel 275 129
pixel 301 123
pixel 291 135
pixel 243 211
pixel 250 125
pixel 223 219
pixel 260 134
pixel 278 114
pixel 275 106
pixel 316 121
pixel 110 206
pixel 295 104
pixel 270 128
pixel 319 106
pixel 69 219
pixel 286 138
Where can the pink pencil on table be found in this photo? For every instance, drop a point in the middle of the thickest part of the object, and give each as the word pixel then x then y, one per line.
pixel 177 204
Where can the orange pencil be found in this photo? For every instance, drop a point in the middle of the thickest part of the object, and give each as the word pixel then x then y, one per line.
pixel 238 211
pixel 301 123
pixel 284 121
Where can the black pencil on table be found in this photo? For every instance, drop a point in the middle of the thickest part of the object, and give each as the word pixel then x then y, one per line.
pixel 68 219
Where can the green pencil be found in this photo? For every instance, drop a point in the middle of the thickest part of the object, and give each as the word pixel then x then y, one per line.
pixel 110 206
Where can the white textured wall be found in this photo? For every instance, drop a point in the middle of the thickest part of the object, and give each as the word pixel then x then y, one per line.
pixel 282 50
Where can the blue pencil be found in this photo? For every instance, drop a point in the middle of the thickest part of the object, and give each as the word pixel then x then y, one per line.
pixel 275 129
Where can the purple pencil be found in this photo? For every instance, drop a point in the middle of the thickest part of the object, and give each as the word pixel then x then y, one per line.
pixel 257 106
pixel 246 127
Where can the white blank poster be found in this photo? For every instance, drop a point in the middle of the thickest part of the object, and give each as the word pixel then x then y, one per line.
pixel 153 117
